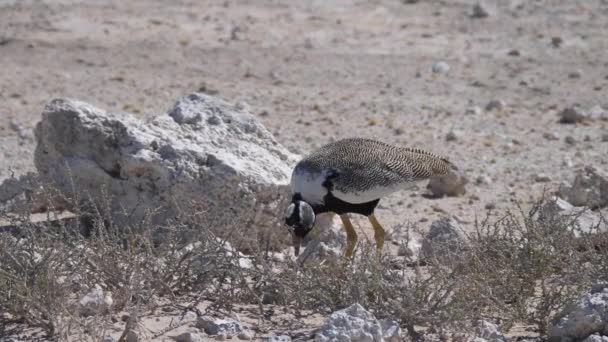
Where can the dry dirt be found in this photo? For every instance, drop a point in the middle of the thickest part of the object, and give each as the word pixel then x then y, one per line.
pixel 315 71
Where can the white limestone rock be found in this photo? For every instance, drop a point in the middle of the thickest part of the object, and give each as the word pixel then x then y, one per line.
pixel 357 324
pixel 444 237
pixel 590 188
pixel 487 331
pixel 596 338
pixel 588 316
pixel 95 301
pixel 204 153
pixel 226 327
pixel 325 242
pixel 580 219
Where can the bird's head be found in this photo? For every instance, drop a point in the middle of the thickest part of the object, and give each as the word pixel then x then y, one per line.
pixel 300 218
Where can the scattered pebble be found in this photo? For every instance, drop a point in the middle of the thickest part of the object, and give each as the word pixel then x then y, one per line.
pixel 575 74
pixel 246 335
pixel 551 136
pixel 475 110
pixel 490 206
pixel 483 180
pixel 557 42
pixel 514 53
pixel 598 113
pixel 570 140
pixel 495 105
pixel 573 114
pixel 541 178
pixel 480 11
pixel 453 135
pixel 440 67
pixel 279 338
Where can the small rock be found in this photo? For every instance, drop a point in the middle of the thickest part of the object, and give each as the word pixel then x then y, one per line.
pixel 453 135
pixel 598 113
pixel 581 220
pixel 452 184
pixel 596 338
pixel 189 337
pixel 551 136
pixel 589 315
pixel 495 105
pixel 391 331
pixel 95 301
pixel 480 10
pixel 575 74
pixel 570 140
pixel 440 67
pixel 444 237
pixel 278 338
pixel 411 249
pixel 557 42
pixel 541 178
pixel 211 326
pixel 490 206
pixel 590 188
pixel 573 114
pixel 514 53
pixel 489 332
pixel 22 132
pixel 356 324
pixel 246 335
pixel 475 110
pixel 483 180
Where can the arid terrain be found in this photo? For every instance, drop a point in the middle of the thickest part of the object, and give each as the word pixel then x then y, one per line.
pixel 316 71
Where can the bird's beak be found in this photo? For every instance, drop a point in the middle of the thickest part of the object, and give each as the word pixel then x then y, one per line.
pixel 297 242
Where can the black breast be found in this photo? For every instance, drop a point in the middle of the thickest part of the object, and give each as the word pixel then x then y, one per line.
pixel 338 206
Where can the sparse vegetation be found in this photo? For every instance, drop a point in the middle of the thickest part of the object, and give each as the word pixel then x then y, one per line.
pixel 515 270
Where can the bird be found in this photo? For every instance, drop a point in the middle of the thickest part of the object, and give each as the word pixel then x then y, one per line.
pixel 350 176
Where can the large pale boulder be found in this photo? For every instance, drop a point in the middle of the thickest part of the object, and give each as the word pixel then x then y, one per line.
pixel 204 153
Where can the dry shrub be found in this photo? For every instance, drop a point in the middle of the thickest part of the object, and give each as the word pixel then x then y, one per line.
pixel 515 269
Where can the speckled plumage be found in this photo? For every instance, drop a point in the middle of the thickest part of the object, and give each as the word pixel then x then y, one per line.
pixel 358 166
pixel 350 176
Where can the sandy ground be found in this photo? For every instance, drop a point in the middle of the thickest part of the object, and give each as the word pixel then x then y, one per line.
pixel 315 71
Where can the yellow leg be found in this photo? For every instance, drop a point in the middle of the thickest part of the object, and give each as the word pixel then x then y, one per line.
pixel 351 235
pixel 378 232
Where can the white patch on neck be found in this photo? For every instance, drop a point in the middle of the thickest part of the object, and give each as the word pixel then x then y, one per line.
pixel 309 185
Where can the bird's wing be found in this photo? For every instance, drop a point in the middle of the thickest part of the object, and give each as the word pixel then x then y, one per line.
pixel 390 172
